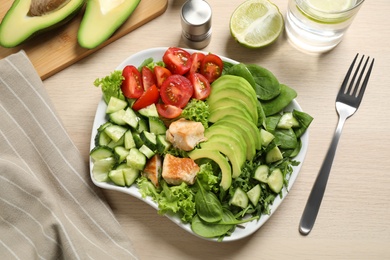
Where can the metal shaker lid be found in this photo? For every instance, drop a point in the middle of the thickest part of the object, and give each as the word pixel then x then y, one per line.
pixel 196 17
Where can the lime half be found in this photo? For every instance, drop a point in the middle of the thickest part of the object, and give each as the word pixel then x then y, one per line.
pixel 256 23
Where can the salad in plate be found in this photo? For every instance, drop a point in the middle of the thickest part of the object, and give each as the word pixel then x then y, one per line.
pixel 209 142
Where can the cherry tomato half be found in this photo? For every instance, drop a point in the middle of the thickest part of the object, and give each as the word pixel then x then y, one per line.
pixel 132 84
pixel 211 67
pixel 148 78
pixel 150 96
pixel 161 74
pixel 196 61
pixel 176 90
pixel 168 111
pixel 201 86
pixel 177 60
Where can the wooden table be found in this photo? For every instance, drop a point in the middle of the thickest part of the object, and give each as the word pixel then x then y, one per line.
pixel 354 219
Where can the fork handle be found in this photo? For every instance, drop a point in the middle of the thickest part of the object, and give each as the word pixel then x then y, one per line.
pixel 314 201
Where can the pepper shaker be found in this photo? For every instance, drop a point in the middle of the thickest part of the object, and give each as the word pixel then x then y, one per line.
pixel 196 23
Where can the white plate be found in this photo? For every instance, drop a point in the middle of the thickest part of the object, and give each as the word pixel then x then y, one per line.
pixel 239 233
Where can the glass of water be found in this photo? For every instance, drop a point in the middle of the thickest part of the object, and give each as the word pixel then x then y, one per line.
pixel 319 25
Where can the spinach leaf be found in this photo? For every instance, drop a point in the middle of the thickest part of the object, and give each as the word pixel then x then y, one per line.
pixel 277 104
pixel 209 230
pixel 267 85
pixel 242 71
pixel 304 120
pixel 286 138
pixel 208 206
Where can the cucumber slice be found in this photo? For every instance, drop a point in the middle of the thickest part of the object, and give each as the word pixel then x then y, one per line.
pixel 103 126
pixel 136 159
pixel 116 176
pixel 101 152
pixel 130 118
pixel 261 173
pixel 142 125
pixel 115 104
pixel 102 139
pixel 101 169
pixel 129 140
pixel 157 126
pixel 162 144
pixel 121 153
pixel 266 137
pixel 147 151
pixel 137 140
pixel 149 139
pixel 117 117
pixel 114 144
pixel 274 155
pixel 149 111
pixel 115 132
pixel 254 194
pixel 130 175
pixel 239 199
pixel 275 180
pixel 287 121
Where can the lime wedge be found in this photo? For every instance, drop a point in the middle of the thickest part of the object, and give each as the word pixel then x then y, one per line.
pixel 256 23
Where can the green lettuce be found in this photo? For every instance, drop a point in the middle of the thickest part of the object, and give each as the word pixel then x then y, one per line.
pixel 198 111
pixel 111 85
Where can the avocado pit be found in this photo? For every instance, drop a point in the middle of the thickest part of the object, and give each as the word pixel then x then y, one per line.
pixel 42 7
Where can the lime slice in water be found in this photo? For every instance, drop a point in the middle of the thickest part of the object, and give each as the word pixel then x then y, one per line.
pixel 331 5
pixel 256 23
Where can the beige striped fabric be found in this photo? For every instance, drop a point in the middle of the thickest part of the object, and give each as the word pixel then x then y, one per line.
pixel 49 208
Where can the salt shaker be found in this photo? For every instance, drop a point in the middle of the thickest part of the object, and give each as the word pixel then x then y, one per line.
pixel 196 23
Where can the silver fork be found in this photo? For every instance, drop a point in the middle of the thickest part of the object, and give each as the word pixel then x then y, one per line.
pixel 347 102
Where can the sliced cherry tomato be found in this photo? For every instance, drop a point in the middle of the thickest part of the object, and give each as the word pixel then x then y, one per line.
pixel 201 86
pixel 177 60
pixel 161 75
pixel 196 61
pixel 148 78
pixel 176 90
pixel 168 111
pixel 211 67
pixel 132 84
pixel 150 96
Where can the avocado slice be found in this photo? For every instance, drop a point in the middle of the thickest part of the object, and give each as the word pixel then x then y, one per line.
pixel 222 111
pixel 232 136
pixel 218 158
pixel 102 18
pixel 245 132
pixel 252 128
pixel 26 18
pixel 230 149
pixel 234 102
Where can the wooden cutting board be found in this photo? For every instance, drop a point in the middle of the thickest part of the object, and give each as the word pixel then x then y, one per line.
pixel 55 50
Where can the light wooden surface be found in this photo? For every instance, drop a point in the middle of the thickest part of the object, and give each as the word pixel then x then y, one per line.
pixel 354 219
pixel 57 49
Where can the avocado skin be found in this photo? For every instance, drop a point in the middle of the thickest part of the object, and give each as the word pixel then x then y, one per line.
pixel 17 27
pixel 96 27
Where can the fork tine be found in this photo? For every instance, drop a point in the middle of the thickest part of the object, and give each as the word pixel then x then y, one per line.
pixel 355 90
pixel 363 87
pixel 352 86
pixel 346 78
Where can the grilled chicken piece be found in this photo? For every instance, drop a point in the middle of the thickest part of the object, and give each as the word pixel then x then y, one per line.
pixel 152 169
pixel 185 134
pixel 177 170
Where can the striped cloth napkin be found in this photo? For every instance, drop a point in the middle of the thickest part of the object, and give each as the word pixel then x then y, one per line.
pixel 49 208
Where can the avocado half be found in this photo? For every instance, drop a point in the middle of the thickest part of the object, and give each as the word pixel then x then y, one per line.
pixel 101 19
pixel 27 18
